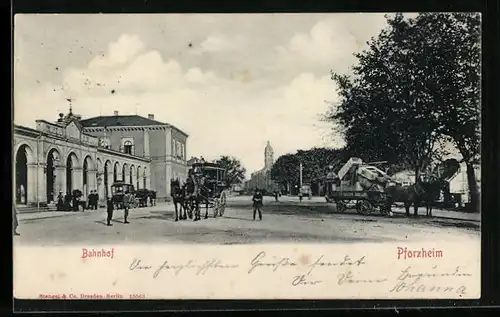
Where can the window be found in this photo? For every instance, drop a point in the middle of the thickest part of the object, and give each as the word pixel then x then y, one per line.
pixel 178 149
pixel 183 156
pixel 174 153
pixel 127 147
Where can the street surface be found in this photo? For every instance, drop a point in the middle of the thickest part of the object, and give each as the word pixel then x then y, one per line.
pixel 309 221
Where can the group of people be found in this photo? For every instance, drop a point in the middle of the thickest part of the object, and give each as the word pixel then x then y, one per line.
pixel 68 202
pixel 93 200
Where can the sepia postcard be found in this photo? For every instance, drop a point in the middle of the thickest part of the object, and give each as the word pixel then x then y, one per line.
pixel 247 156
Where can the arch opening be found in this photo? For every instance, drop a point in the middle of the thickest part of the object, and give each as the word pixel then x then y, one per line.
pixel 115 172
pixel 71 166
pixel 107 170
pixel 87 167
pixel 131 175
pixel 22 175
pixel 138 177
pixel 53 159
pixel 124 173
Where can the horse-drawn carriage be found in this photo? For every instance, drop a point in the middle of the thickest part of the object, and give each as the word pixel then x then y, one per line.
pixel 206 184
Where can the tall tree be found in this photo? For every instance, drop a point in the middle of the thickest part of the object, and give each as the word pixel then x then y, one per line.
pixel 285 170
pixel 417 82
pixel 235 172
pixel 454 79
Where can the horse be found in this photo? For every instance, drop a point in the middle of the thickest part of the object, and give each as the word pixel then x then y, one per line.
pixel 412 194
pixel 432 187
pixel 187 203
pixel 178 199
pixel 198 193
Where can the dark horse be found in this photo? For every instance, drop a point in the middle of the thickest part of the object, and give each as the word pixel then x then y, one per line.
pixel 178 198
pixel 432 187
pixel 198 193
pixel 409 195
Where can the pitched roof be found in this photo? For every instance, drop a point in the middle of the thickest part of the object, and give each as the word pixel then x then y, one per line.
pixel 124 121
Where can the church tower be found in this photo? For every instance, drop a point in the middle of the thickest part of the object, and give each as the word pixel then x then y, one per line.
pixel 268 156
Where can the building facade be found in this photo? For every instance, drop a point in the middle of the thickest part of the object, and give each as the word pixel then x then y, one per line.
pixel 94 153
pixel 262 179
pixel 161 143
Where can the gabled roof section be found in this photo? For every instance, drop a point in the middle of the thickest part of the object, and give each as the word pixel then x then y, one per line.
pixel 117 121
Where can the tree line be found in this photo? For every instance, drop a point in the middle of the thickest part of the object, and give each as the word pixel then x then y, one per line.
pixel 315 166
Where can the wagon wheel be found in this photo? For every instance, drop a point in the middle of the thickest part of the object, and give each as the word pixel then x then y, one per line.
pixel 222 204
pixel 364 207
pixel 341 205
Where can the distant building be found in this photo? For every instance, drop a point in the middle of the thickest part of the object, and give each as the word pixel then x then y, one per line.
pixel 262 178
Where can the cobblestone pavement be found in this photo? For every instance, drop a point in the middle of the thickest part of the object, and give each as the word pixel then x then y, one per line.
pixel 286 221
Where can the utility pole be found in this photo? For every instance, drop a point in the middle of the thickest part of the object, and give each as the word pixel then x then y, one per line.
pixel 300 175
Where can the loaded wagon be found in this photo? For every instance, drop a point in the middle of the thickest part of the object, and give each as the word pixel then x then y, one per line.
pixel 359 185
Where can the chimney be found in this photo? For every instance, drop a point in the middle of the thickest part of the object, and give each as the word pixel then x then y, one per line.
pixel 115 112
pixel 151 116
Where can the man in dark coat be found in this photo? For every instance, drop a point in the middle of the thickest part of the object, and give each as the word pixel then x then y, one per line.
pixel 60 202
pixel 90 200
pixel 126 206
pixel 96 200
pixel 257 203
pixel 110 207
pixel 67 202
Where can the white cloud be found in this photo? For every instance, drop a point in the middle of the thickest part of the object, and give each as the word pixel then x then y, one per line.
pixel 223 116
pixel 220 43
pixel 332 42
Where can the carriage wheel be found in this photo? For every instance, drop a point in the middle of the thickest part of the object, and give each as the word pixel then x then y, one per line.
pixel 222 204
pixel 364 207
pixel 341 205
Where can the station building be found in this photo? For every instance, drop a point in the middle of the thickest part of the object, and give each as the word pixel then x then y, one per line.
pixel 92 154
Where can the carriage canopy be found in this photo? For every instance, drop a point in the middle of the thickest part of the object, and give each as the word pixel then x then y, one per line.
pixel 121 188
pixel 212 171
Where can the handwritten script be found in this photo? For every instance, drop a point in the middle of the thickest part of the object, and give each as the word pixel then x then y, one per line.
pixel 342 271
pixel 429 281
pixel 191 265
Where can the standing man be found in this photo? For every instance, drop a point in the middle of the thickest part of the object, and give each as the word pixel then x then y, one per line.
pixel 126 206
pixel 16 223
pixel 257 203
pixel 96 200
pixel 90 200
pixel 153 198
pixel 110 208
pixel 60 202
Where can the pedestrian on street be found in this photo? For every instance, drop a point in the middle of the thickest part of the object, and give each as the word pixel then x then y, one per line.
pixel 90 200
pixel 257 203
pixel 14 219
pixel 110 208
pixel 153 198
pixel 126 206
pixel 60 202
pixel 96 200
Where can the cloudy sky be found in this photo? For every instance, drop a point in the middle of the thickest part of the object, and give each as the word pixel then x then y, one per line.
pixel 231 82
